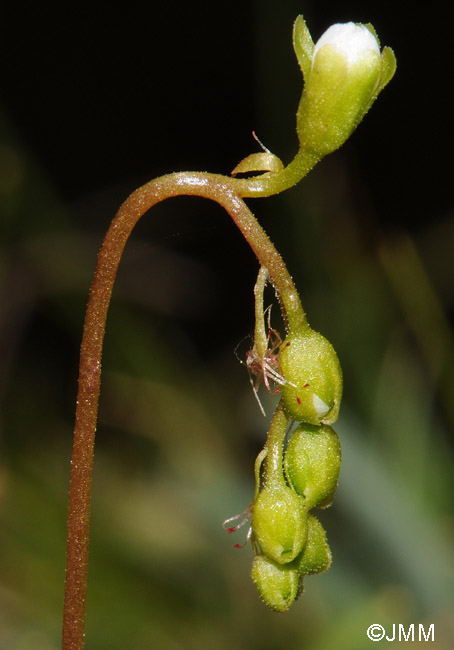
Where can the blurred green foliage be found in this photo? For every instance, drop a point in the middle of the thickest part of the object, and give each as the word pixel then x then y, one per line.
pixel 179 427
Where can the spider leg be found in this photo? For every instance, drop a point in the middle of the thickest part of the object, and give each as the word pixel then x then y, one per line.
pixel 268 319
pixel 256 393
pixel 277 377
pixel 246 517
pixel 273 374
pixel 266 374
pixel 248 537
pixel 276 343
pixel 243 363
pixel 255 390
pixel 232 529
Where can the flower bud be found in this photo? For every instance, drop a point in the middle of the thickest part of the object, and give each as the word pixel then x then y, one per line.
pixel 313 378
pixel 312 464
pixel 278 584
pixel 279 522
pixel 316 556
pixel 344 73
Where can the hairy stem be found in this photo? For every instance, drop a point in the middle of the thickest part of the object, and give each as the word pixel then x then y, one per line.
pixel 275 445
pixel 260 332
pixel 268 184
pixel 224 191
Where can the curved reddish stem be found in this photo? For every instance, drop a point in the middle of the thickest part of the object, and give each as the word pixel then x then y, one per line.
pixel 221 190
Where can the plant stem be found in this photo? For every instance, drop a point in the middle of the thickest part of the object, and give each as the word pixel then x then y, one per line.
pixel 275 445
pixel 260 333
pixel 268 184
pixel 224 191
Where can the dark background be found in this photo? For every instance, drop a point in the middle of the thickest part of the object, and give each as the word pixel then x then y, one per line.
pixel 104 100
pixel 110 97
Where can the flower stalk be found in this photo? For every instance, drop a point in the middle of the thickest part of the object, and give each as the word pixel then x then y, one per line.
pixel 210 186
pixel 281 538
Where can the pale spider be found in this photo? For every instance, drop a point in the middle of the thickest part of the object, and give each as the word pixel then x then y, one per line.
pixel 265 367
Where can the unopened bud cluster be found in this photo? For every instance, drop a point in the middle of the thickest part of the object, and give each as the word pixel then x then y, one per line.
pixel 291 540
pixel 298 474
pixel 343 74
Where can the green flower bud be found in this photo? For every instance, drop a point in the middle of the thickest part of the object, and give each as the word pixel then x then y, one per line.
pixel 344 73
pixel 316 556
pixel 312 464
pixel 279 585
pixel 312 389
pixel 279 522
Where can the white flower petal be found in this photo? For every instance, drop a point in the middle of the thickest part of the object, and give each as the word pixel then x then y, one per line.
pixel 320 406
pixel 351 40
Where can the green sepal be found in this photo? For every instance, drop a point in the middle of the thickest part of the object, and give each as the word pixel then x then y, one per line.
pixel 316 556
pixel 312 464
pixel 371 28
pixel 388 68
pixel 303 46
pixel 278 585
pixel 279 522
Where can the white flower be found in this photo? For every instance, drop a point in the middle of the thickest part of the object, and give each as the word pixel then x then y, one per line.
pixel 354 42
pixel 344 72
